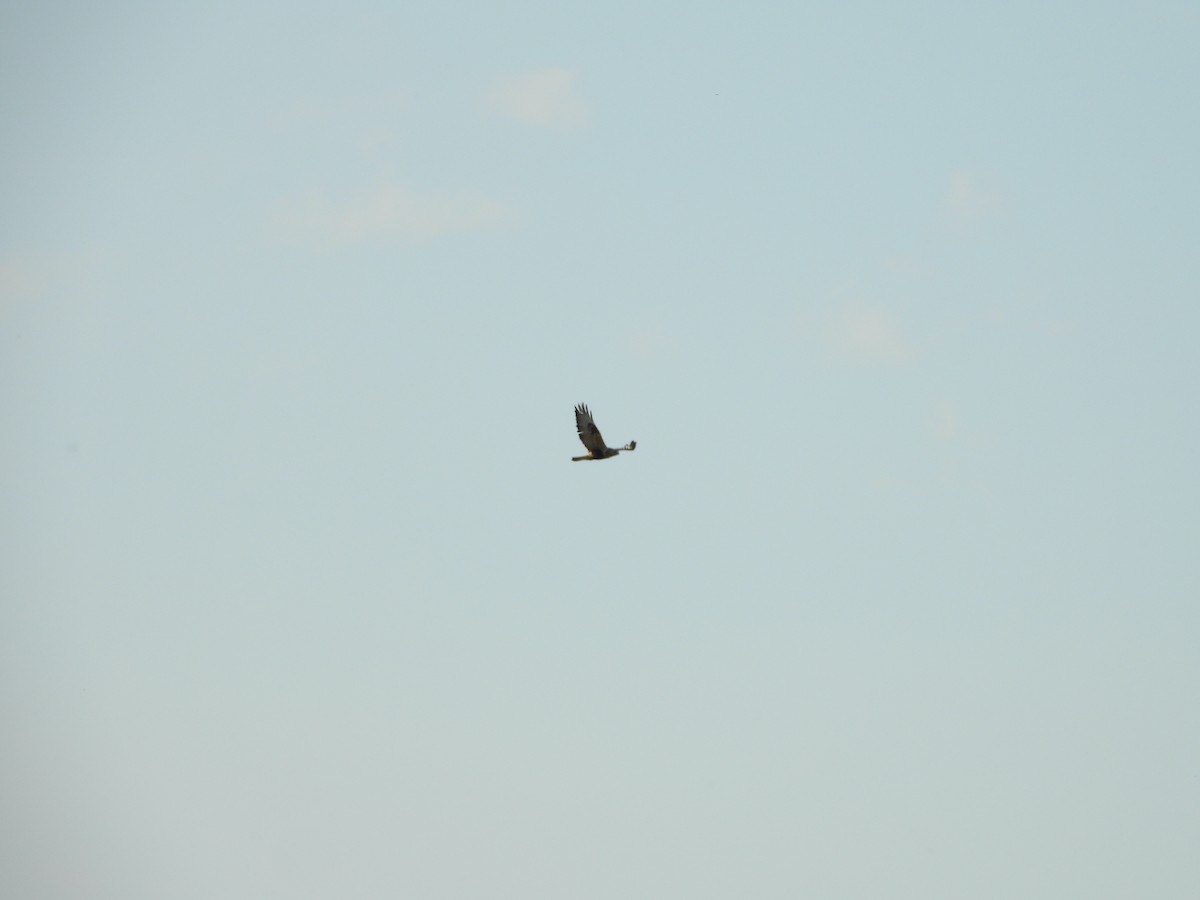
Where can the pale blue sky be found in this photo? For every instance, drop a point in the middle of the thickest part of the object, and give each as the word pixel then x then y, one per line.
pixel 303 597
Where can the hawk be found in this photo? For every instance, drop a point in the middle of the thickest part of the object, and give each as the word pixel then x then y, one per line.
pixel 590 435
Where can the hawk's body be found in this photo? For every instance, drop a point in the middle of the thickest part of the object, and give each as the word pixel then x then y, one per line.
pixel 590 435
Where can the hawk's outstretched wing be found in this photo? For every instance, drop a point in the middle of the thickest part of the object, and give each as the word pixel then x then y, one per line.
pixel 588 432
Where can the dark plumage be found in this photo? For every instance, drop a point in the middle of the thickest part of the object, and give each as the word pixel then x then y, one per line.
pixel 590 435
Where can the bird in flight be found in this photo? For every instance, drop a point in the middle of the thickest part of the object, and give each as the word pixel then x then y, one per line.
pixel 590 435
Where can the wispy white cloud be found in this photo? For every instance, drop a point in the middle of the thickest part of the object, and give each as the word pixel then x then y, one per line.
pixel 903 265
pixel 952 426
pixel 325 110
pixel 970 197
pixel 867 335
pixel 21 276
pixel 544 97
pixel 648 342
pixel 368 122
pixel 945 425
pixel 388 212
pixel 30 273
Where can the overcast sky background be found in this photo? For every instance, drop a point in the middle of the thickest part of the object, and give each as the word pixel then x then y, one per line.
pixel 303 597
